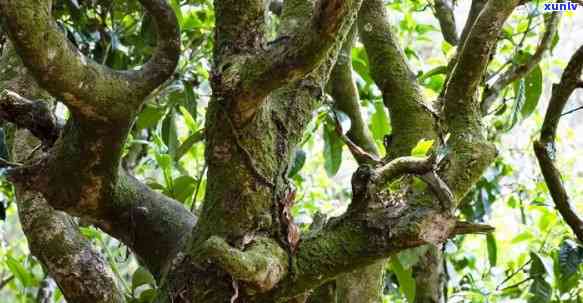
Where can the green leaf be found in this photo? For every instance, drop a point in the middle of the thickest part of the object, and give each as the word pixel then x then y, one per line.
pixel 542 266
pixel 148 295
pixel 188 119
pixel 540 291
pixel 492 249
pixel 519 100
pixel 380 122
pixel 422 148
pixel 440 70
pixel 533 91
pixel 298 163
pixel 170 133
pixel 188 144
pixel 149 116
pixel 361 65
pixel 142 277
pixel 410 257
pixel 332 150
pixel 344 120
pixel 405 278
pixel 183 187
pixel 22 274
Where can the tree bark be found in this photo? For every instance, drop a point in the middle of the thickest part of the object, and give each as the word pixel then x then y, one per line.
pixel 245 247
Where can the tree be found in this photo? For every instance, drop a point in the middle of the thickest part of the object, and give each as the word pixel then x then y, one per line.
pixel 242 244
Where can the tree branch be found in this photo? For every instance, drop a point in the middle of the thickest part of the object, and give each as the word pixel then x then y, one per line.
pixel 410 117
pixel 475 10
pixel 53 237
pixel 473 59
pixel 402 166
pixel 443 11
pixel 288 59
pixel 81 173
pixel 519 71
pixel 262 265
pixel 346 99
pixel 32 115
pixel 545 149
pixel 89 89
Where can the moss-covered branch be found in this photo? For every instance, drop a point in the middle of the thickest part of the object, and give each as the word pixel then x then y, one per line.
pixel 343 90
pixel 262 265
pixel 252 77
pixel 472 61
pixel 53 237
pixel 410 118
pixel 475 10
pixel 81 173
pixel 89 89
pixel 545 149
pixel 363 284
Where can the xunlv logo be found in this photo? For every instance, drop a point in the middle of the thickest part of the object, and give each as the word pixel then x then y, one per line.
pixel 560 7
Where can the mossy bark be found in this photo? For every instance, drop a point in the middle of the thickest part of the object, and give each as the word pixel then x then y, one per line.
pixel 244 246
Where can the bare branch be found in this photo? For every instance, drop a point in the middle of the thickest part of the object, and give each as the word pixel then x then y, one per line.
pixel 545 149
pixel 519 71
pixel 443 11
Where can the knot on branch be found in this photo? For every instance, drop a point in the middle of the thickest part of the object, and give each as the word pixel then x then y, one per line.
pixel 260 267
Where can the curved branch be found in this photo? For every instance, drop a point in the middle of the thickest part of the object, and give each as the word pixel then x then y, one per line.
pixel 545 149
pixel 262 265
pixel 82 176
pixel 165 58
pixel 519 71
pixel 88 88
pixel 402 166
pixel 53 237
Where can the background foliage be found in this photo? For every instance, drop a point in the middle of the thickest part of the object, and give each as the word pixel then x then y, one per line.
pixel 531 257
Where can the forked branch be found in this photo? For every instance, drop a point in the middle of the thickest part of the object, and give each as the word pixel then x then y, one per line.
pixel 89 89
